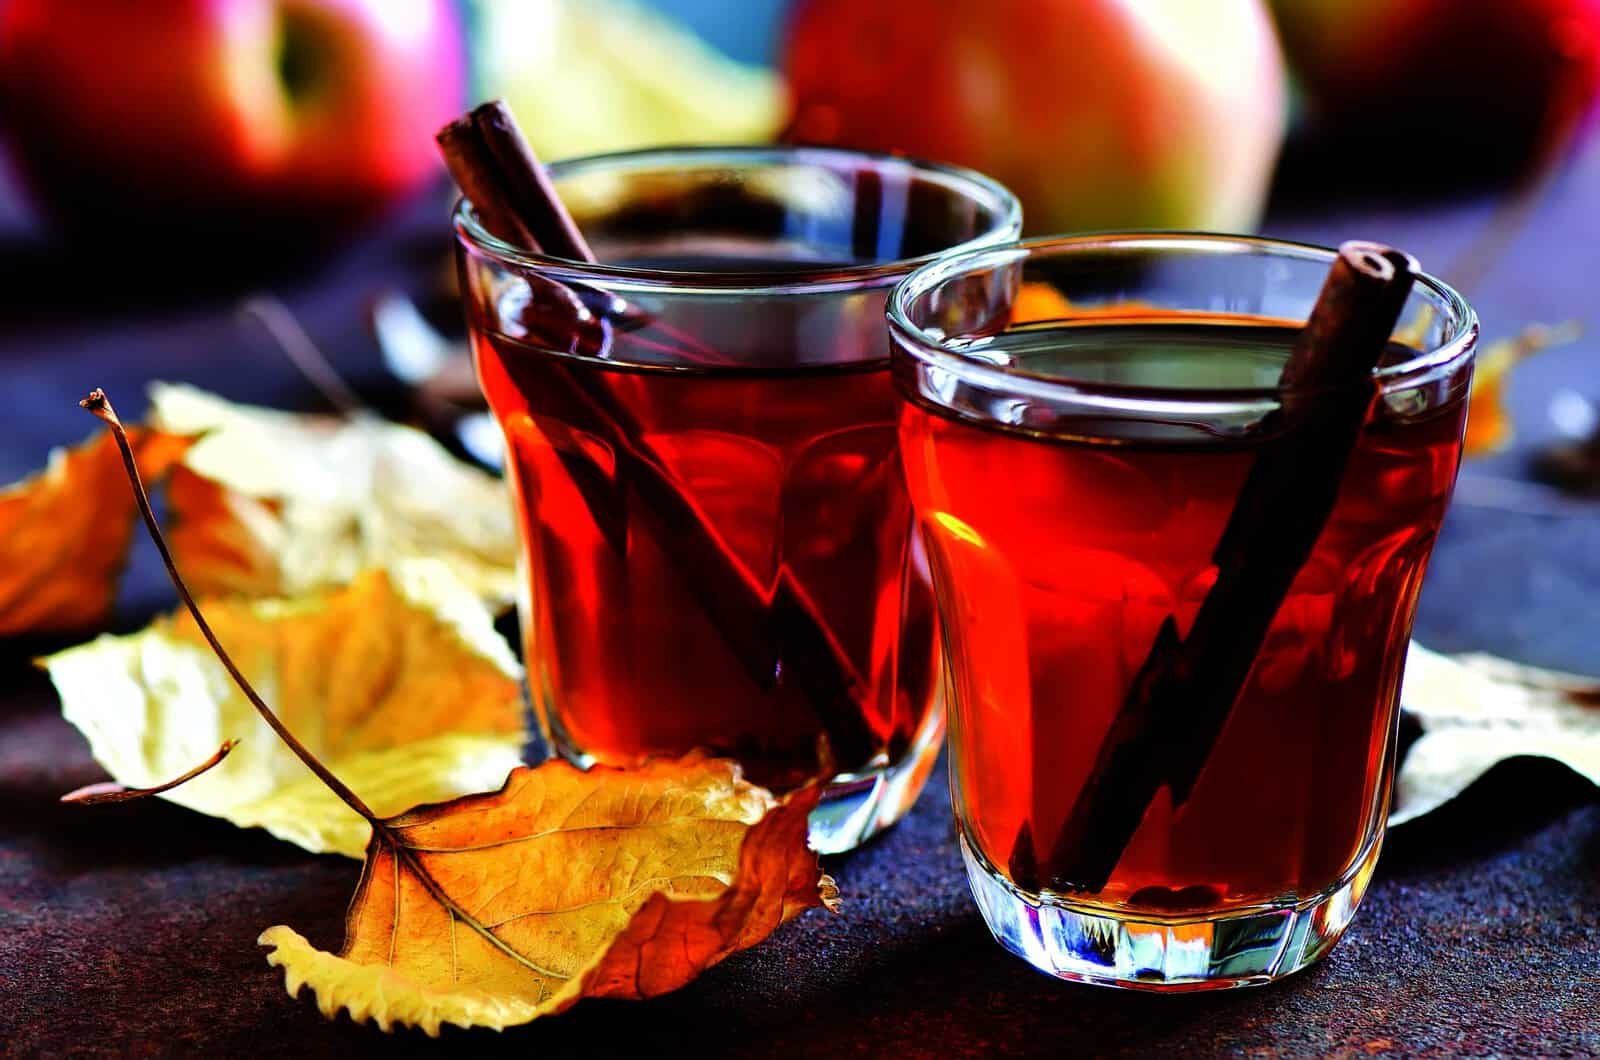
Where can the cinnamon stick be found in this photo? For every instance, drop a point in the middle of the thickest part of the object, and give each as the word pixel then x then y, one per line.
pixel 488 149
pixel 477 174
pixel 1180 699
pixel 778 636
pixel 526 182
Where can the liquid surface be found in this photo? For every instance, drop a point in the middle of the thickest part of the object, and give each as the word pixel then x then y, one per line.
pixel 1057 561
pixel 1164 355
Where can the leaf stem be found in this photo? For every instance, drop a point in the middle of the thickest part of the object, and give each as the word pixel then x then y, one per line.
pixel 100 405
pixel 99 794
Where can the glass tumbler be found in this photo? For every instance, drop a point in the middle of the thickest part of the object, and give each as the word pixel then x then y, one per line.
pixel 700 438
pixel 1079 418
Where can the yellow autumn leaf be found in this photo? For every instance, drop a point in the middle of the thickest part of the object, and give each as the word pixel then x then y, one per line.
pixel 497 909
pixel 271 503
pixel 398 681
pixel 64 534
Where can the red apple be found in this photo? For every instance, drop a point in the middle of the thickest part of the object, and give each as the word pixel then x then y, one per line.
pixel 1097 113
pixel 230 114
pixel 1465 85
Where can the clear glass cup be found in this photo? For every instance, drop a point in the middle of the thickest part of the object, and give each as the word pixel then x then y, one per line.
pixel 700 438
pixel 1079 416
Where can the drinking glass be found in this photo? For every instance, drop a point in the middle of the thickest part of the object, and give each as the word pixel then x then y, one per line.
pixel 1079 417
pixel 700 436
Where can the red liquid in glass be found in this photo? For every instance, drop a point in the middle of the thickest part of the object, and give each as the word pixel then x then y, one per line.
pixel 1058 558
pixel 793 471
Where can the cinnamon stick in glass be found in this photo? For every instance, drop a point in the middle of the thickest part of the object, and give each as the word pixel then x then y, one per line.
pixel 778 634
pixel 1180 699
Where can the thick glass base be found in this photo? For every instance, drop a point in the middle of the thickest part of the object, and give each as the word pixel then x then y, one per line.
pixel 1085 944
pixel 856 806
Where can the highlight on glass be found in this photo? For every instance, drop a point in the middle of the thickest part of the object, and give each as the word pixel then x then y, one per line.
pixel 1175 600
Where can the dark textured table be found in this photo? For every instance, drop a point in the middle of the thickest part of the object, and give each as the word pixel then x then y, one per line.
pixel 130 930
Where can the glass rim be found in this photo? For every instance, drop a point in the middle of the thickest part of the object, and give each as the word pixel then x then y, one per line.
pixel 1000 200
pixel 917 342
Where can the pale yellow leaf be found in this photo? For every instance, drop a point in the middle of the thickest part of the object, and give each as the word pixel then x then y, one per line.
pixel 271 503
pixel 499 908
pixel 398 682
pixel 1477 710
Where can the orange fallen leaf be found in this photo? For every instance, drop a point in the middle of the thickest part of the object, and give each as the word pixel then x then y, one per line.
pixel 493 910
pixel 64 534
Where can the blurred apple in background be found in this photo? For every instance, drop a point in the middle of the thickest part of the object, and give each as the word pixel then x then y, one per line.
pixel 227 116
pixel 1097 113
pixel 1452 86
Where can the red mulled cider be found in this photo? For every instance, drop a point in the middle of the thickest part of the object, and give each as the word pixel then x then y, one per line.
pixel 1074 478
pixel 794 475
